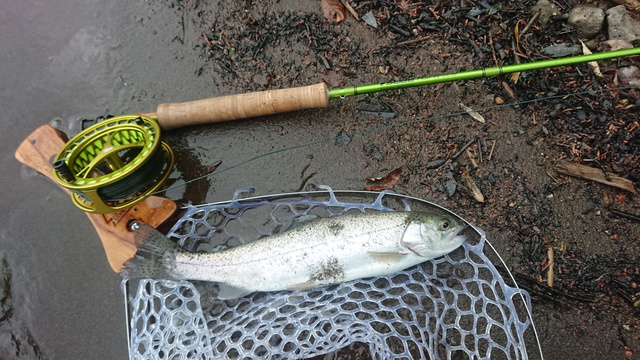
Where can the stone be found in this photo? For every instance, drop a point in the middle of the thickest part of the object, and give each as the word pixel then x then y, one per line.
pixel 629 75
pixel 621 25
pixel 547 11
pixel 562 50
pixel 587 20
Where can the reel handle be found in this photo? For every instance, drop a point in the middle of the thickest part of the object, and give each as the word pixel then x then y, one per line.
pixel 36 152
pixel 241 106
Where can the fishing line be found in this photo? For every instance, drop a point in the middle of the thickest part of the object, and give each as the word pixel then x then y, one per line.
pixel 436 117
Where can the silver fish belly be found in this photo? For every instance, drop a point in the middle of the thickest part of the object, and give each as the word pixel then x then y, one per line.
pixel 324 251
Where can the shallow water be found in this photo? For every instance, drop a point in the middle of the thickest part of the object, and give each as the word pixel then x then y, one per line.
pixel 62 61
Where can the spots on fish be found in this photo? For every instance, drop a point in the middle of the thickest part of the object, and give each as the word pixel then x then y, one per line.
pixel 329 270
pixel 335 228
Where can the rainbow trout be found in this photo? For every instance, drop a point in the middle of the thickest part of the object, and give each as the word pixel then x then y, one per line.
pixel 321 252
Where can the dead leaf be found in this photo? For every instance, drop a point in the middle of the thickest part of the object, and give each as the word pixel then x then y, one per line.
pixel 404 4
pixel 333 10
pixel 629 4
pixel 515 76
pixel 331 78
pixel 385 183
pixel 593 64
pixel 474 114
pixel 616 44
pixel 477 194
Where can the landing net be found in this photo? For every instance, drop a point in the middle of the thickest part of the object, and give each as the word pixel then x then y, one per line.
pixel 454 307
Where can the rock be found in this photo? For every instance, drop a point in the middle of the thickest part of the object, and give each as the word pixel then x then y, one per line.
pixel 373 152
pixel 547 11
pixel 370 19
pixel 260 79
pixel 621 25
pixel 587 20
pixel 562 50
pixel 629 76
pixel 343 139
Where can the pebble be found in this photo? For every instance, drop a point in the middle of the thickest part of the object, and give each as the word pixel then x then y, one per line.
pixel 373 152
pixel 260 79
pixel 629 75
pixel 498 100
pixel 343 139
pixel 547 11
pixel 587 20
pixel 370 19
pixel 621 25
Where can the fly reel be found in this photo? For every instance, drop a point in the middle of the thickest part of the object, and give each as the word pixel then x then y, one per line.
pixel 113 164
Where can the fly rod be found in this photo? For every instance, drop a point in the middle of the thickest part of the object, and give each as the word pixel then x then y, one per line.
pixel 116 163
pixel 232 107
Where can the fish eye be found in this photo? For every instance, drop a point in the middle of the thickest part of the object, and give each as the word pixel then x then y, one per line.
pixel 445 224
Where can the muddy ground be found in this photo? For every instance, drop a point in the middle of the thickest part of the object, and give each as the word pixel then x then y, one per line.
pixel 528 206
pixel 212 49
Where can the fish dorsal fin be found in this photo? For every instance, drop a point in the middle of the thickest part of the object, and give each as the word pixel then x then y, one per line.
pixel 388 257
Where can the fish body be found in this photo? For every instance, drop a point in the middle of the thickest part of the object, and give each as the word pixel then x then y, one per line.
pixel 322 252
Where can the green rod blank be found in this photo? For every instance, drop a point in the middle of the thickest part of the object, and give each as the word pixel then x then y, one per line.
pixel 480 73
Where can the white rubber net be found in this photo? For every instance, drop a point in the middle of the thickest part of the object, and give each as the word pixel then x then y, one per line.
pixel 454 307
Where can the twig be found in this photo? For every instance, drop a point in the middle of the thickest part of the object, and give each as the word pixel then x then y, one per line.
pixel 414 41
pixel 206 38
pixel 456 155
pixel 550 272
pixel 534 18
pixel 464 147
pixel 491 152
pixel 353 12
pixel 625 215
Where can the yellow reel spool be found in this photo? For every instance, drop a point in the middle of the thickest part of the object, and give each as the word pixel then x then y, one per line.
pixel 114 164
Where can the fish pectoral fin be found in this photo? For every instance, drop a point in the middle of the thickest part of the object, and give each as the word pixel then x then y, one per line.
pixel 229 292
pixel 387 257
pixel 302 286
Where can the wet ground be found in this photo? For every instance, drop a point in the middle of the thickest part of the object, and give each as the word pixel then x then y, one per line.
pixel 70 60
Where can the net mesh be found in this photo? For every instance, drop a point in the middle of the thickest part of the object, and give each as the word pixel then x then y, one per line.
pixel 454 307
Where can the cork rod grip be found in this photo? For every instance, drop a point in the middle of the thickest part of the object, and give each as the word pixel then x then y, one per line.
pixel 241 106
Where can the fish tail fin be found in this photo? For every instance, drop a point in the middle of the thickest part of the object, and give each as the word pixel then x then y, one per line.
pixel 155 258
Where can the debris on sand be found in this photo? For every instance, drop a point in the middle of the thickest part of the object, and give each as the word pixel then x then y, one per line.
pixel 333 10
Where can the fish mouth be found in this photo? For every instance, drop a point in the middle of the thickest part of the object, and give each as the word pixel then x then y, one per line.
pixel 454 237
